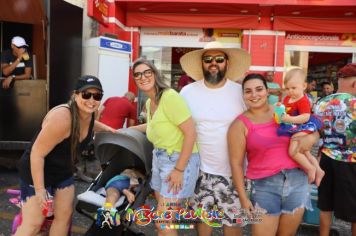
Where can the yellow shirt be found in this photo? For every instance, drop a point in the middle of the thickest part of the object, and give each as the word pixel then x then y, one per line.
pixel 162 129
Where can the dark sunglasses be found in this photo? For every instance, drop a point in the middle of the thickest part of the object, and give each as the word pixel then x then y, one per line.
pixel 217 59
pixel 96 96
pixel 146 73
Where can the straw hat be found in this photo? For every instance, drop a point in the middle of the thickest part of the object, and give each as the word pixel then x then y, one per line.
pixel 239 61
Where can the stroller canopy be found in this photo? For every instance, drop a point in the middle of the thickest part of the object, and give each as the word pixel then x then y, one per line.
pixel 122 145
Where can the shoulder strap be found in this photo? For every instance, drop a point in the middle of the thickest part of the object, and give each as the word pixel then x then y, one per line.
pixel 246 121
pixel 54 108
pixel 91 126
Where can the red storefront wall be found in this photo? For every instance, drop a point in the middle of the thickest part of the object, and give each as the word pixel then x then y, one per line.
pixel 263 27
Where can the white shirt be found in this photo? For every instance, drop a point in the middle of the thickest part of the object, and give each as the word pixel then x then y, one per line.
pixel 213 110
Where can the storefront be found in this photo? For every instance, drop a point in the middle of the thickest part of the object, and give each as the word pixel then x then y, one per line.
pixel 321 54
pixel 163 31
pixel 165 46
pixel 55 50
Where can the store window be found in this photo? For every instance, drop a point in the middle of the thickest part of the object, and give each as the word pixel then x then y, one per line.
pixel 166 59
pixel 321 55
pixel 322 66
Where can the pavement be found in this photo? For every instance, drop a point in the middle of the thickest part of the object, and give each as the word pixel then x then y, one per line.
pixel 9 179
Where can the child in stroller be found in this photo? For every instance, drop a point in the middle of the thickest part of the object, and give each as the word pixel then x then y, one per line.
pixel 127 149
pixel 124 183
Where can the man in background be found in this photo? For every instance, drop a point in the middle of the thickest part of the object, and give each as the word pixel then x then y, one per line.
pixel 274 90
pixel 16 63
pixel 116 110
pixel 327 89
pixel 183 81
pixel 337 190
pixel 311 85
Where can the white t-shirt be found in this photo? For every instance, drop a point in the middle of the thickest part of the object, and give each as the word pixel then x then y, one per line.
pixel 213 111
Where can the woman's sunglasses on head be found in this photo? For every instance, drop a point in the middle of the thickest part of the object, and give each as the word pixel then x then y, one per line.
pixel 217 59
pixel 88 95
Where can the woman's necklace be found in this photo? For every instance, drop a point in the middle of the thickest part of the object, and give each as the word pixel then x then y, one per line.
pixel 153 108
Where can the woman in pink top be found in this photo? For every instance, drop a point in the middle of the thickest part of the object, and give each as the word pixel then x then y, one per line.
pixel 279 188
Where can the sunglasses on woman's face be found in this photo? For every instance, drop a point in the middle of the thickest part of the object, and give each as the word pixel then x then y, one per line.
pixel 217 59
pixel 138 75
pixel 96 96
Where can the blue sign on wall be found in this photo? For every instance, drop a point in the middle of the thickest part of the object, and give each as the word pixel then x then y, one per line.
pixel 115 45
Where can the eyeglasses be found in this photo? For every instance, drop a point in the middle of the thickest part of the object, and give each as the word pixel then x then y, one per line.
pixel 217 59
pixel 96 96
pixel 146 73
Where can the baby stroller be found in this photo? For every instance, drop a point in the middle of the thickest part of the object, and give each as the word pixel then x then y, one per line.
pixel 127 149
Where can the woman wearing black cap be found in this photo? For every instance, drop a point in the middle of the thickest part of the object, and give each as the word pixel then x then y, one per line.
pixel 46 167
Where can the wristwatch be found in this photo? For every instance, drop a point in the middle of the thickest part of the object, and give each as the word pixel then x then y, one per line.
pixel 13 76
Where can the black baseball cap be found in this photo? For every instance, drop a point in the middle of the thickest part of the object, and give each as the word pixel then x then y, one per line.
pixel 88 81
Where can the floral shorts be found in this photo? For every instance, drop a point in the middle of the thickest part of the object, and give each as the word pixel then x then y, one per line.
pixel 215 191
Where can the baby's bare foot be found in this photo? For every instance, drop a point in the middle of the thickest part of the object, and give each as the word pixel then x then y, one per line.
pixel 319 176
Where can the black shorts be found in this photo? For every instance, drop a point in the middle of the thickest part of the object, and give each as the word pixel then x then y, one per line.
pixel 337 190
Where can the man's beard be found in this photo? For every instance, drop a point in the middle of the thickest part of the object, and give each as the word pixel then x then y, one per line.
pixel 214 78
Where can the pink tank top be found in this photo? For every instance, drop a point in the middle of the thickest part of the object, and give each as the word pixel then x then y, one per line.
pixel 267 153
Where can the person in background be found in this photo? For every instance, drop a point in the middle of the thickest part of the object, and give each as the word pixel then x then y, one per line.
pixel 116 110
pixel 274 90
pixel 311 85
pixel 327 89
pixel 47 166
pixel 215 100
pixel 16 63
pixel 337 190
pixel 183 81
pixel 208 35
pixel 279 188
pixel 142 118
pixel 171 129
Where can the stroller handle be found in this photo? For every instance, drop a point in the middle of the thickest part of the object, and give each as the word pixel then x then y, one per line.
pixel 13 191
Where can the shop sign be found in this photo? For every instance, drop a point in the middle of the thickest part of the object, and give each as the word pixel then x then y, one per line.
pixel 331 40
pixel 99 10
pixel 187 37
pixel 116 45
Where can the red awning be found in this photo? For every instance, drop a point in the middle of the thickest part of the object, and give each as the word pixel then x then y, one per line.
pixel 191 20
pixel 260 2
pixel 329 25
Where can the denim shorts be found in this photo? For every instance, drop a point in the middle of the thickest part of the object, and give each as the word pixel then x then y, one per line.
pixel 162 166
pixel 28 190
pixel 283 192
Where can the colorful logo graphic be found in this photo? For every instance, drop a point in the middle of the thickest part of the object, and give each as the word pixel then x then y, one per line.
pixel 145 214
pixel 177 216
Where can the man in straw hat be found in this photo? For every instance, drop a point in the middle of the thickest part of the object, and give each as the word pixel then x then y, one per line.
pixel 337 190
pixel 215 100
